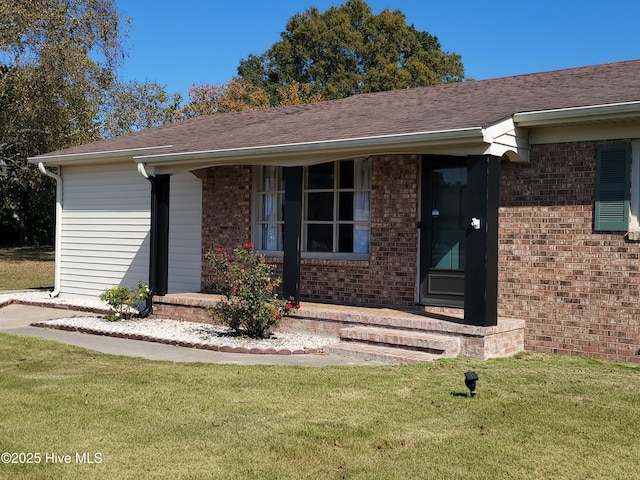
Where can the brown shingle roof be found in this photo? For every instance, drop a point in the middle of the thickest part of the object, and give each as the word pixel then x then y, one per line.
pixel 426 109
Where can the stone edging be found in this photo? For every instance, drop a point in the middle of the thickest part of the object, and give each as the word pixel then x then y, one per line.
pixel 177 343
pixel 58 306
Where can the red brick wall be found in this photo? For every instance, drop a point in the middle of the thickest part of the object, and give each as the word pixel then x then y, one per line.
pixel 577 289
pixel 226 210
pixel 387 278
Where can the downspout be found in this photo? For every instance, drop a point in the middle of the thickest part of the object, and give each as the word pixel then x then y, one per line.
pixel 58 233
pixel 148 308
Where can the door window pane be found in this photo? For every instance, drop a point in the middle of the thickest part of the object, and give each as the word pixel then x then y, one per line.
pixel 449 198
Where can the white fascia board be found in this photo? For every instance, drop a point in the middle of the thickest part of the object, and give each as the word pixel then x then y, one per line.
pixel 306 152
pixel 93 157
pixel 608 112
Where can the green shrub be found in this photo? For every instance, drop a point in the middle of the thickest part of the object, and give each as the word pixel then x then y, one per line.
pixel 251 305
pixel 126 302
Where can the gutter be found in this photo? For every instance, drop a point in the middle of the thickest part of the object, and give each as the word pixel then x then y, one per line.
pixel 592 113
pixel 306 152
pixel 148 308
pixel 58 233
pixel 293 154
pixel 102 156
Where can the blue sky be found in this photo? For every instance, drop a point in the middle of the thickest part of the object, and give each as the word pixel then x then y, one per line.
pixel 178 43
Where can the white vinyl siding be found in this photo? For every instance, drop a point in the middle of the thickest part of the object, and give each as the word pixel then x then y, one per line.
pixel 105 229
pixel 185 245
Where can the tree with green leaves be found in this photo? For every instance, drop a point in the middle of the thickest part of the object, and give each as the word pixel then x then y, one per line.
pixel 136 106
pixel 349 50
pixel 58 88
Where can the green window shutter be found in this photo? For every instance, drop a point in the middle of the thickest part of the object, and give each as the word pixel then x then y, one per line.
pixel 613 190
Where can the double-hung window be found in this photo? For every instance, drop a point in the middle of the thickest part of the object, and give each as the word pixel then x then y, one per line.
pixel 335 210
pixel 269 203
pixel 336 207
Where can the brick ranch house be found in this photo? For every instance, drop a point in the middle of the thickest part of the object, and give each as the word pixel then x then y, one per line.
pixel 515 197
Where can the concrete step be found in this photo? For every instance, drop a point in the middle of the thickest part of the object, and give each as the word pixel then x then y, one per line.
pixel 443 345
pixel 380 353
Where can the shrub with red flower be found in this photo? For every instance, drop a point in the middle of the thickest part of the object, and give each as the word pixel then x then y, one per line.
pixel 251 305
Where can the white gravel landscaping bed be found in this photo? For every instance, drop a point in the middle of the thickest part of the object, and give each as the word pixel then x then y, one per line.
pixel 189 334
pixel 42 297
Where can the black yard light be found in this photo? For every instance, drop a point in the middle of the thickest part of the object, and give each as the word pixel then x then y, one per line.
pixel 470 379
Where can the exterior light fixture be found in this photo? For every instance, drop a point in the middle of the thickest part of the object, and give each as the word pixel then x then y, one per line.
pixel 470 379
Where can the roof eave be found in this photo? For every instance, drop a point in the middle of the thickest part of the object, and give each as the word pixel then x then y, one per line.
pixel 109 156
pixel 311 152
pixel 592 113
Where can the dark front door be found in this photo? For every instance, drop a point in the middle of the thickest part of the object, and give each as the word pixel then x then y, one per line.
pixel 443 230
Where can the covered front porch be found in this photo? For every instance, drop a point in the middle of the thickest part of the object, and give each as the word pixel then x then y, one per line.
pixel 302 208
pixel 392 335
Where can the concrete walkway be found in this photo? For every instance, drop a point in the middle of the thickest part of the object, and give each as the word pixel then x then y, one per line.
pixel 16 318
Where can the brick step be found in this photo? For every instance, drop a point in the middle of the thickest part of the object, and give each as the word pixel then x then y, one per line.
pixel 500 340
pixel 442 345
pixel 380 353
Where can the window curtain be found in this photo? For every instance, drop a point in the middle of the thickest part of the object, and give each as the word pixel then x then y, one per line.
pixel 269 205
pixel 361 216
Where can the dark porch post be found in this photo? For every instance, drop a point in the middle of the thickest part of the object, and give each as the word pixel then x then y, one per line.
pixel 159 235
pixel 292 229
pixel 481 267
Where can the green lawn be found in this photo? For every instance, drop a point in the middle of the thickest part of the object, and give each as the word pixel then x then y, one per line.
pixel 535 417
pixel 25 267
